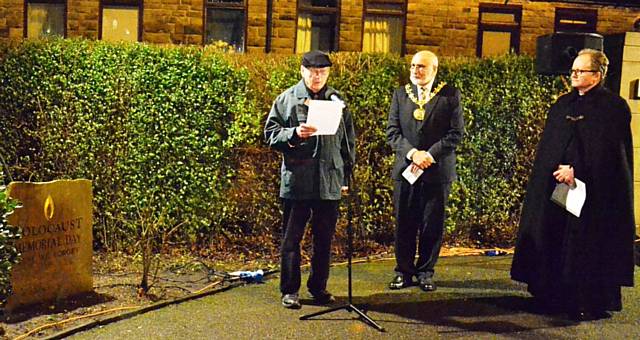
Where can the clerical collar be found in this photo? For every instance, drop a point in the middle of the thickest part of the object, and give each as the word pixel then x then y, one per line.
pixel 591 90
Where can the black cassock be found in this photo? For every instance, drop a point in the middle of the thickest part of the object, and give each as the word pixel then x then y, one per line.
pixel 570 262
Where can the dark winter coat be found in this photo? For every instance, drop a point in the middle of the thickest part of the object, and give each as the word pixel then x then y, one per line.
pixel 598 245
pixel 316 168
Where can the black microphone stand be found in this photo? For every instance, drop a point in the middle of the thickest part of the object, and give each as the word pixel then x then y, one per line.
pixel 349 307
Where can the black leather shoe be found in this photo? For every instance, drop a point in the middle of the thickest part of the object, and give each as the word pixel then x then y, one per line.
pixel 399 282
pixel 427 284
pixel 322 297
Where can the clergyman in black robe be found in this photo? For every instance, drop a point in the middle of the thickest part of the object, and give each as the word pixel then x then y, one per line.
pixel 575 264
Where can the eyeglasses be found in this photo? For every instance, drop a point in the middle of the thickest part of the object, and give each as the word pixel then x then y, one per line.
pixel 319 71
pixel 581 72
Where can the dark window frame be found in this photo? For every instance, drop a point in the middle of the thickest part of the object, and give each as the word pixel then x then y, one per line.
pixel 320 10
pixel 377 12
pixel 26 14
pixel 227 6
pixel 617 3
pixel 514 29
pixel 122 3
pixel 590 16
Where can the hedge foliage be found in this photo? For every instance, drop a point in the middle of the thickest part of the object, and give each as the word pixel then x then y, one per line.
pixel 149 126
pixel 8 252
pixel 173 136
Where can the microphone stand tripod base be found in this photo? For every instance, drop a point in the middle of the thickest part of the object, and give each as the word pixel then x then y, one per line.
pixel 349 307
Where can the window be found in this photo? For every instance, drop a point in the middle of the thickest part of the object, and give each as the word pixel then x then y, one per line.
pixel 576 20
pixel 498 29
pixel 225 21
pixel 618 3
pixel 383 26
pixel 317 25
pixel 121 20
pixel 45 18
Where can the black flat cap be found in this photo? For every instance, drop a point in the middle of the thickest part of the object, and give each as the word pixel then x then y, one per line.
pixel 315 59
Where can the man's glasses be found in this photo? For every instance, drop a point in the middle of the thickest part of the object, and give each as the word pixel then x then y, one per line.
pixel 581 72
pixel 318 71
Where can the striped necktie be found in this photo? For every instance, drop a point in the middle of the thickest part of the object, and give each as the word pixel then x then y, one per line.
pixel 423 93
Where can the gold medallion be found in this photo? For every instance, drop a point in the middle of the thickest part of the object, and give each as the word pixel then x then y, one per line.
pixel 420 112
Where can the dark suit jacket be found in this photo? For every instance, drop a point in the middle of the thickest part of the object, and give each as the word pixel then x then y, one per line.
pixel 439 133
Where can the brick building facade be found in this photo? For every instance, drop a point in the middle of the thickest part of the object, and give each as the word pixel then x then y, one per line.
pixel 449 27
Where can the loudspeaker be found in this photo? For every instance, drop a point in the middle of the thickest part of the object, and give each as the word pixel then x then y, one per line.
pixel 555 52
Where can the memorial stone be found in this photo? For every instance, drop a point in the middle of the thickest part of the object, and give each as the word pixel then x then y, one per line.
pixel 56 220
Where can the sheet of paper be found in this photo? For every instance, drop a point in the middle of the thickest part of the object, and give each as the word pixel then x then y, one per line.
pixel 576 198
pixel 324 115
pixel 412 176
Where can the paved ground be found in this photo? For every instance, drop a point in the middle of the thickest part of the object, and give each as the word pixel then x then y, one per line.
pixel 475 300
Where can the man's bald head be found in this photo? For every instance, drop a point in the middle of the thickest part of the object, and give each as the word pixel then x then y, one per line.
pixel 424 66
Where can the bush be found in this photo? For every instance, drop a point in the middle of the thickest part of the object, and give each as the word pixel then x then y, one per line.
pixel 148 125
pixel 505 104
pixel 9 255
pixel 174 135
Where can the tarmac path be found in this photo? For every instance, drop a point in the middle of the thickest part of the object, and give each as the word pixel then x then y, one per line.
pixel 475 300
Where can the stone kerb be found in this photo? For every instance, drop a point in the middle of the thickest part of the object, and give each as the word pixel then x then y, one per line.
pixel 56 220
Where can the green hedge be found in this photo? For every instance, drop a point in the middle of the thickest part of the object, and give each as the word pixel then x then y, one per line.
pixel 149 126
pixel 172 136
pixel 8 252
pixel 505 104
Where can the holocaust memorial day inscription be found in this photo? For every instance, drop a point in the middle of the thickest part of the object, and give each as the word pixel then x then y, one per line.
pixel 56 220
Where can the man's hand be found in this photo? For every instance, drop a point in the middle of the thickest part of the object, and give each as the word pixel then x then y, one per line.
pixel 305 130
pixel 422 159
pixel 564 174
pixel 344 190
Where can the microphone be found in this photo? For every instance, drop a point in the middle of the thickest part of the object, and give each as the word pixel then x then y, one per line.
pixel 334 98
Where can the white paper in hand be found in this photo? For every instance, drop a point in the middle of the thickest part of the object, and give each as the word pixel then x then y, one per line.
pixel 576 197
pixel 325 115
pixel 412 176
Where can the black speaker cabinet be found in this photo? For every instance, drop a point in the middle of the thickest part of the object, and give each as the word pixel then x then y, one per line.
pixel 555 52
pixel 614 49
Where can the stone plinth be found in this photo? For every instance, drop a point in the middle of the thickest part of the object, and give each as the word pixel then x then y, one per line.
pixel 56 220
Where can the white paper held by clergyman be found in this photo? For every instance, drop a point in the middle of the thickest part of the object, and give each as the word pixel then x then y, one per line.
pixel 325 115
pixel 576 197
pixel 412 176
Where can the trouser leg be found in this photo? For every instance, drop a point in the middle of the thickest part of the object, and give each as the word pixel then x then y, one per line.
pixel 435 196
pixel 323 225
pixel 299 213
pixel 406 229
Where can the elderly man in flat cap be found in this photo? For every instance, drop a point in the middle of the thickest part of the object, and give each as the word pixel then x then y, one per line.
pixel 314 175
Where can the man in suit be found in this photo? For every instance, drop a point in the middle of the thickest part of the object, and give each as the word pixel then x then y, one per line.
pixel 425 126
pixel 314 174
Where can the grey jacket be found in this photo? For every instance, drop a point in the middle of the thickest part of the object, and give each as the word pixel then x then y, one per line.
pixel 315 168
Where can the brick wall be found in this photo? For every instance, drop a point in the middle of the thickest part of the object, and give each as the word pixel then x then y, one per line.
pixel 173 21
pixel 82 18
pixel 284 26
pixel 351 25
pixel 11 19
pixel 256 25
pixel 448 27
